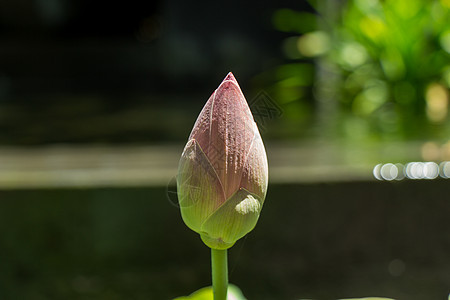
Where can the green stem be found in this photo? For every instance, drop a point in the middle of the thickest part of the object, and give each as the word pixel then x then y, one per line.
pixel 219 266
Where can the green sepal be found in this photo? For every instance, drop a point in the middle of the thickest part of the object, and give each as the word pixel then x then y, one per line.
pixel 233 220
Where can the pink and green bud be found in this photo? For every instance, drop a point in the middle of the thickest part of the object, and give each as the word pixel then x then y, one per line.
pixel 223 173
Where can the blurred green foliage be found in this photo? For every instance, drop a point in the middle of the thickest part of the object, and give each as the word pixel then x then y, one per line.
pixel 373 69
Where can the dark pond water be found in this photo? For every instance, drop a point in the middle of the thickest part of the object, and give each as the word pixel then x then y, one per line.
pixel 314 241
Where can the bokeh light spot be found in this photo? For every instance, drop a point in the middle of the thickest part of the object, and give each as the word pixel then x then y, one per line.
pixel 389 171
pixel 313 43
pixel 437 102
pixel 430 170
pixel 445 169
pixel 430 151
pixel 377 172
pixel 353 55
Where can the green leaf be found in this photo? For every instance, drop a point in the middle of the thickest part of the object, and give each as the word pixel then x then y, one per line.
pixel 206 293
pixel 368 298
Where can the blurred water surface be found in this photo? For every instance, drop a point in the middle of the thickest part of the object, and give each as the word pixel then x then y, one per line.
pixel 318 241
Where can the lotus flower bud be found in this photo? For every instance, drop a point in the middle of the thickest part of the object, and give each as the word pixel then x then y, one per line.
pixel 223 173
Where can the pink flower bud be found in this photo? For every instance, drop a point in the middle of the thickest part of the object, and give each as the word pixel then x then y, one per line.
pixel 223 173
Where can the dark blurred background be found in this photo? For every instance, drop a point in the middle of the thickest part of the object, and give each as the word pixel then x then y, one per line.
pixel 83 71
pixel 98 98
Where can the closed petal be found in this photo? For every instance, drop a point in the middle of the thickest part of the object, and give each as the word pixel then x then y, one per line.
pixel 234 219
pixel 224 131
pixel 200 192
pixel 256 171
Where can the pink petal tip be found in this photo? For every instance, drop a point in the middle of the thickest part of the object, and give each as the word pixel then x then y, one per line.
pixel 230 77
